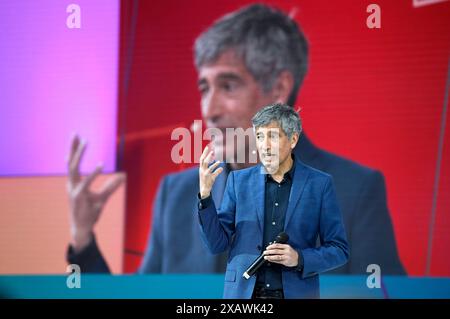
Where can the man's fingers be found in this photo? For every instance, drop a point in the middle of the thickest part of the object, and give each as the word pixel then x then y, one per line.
pixel 204 158
pixel 110 186
pixel 90 178
pixel 217 172
pixel 74 165
pixel 74 142
pixel 275 258
pixel 275 251
pixel 213 166
pixel 278 246
pixel 208 159
pixel 205 152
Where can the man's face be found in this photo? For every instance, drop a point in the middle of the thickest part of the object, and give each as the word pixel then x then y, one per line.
pixel 274 146
pixel 230 97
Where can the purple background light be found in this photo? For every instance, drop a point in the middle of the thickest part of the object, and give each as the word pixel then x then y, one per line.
pixel 55 81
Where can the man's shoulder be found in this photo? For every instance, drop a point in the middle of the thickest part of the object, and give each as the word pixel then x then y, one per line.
pixel 349 177
pixel 182 186
pixel 185 173
pixel 312 172
pixel 245 173
pixel 346 164
pixel 186 176
pixel 339 167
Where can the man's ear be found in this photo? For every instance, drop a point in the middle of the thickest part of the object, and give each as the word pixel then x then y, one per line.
pixel 294 140
pixel 283 87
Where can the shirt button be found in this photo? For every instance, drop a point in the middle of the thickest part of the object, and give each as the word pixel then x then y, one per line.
pixel 268 285
pixel 279 185
pixel 276 204
pixel 273 223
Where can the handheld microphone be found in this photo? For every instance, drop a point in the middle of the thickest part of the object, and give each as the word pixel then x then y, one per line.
pixel 281 238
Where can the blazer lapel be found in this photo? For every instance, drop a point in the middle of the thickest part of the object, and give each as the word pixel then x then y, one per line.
pixel 259 197
pixel 298 184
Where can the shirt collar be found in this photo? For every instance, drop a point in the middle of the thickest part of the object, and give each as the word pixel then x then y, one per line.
pixel 289 175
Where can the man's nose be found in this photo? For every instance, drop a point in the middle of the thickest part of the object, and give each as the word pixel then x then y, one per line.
pixel 266 144
pixel 212 107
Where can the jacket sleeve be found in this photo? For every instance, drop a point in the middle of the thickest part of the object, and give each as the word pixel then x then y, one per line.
pixel 89 259
pixel 217 227
pixel 333 251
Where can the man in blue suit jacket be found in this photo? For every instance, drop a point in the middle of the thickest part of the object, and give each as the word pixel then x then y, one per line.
pixel 233 89
pixel 280 195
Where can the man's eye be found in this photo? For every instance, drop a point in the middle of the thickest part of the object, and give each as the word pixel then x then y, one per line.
pixel 274 136
pixel 229 86
pixel 203 90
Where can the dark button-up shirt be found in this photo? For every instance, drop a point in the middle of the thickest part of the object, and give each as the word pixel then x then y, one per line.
pixel 275 207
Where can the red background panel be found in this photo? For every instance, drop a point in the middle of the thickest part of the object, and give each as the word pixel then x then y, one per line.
pixel 440 239
pixel 373 95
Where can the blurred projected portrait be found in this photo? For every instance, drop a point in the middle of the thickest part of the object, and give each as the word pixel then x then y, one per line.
pixel 246 59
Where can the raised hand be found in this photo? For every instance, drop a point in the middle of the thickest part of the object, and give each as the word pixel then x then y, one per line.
pixel 85 205
pixel 208 174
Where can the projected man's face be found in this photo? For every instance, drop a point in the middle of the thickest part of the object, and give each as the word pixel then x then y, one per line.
pixel 230 96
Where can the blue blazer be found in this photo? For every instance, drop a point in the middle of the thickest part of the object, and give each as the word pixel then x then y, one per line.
pixel 313 212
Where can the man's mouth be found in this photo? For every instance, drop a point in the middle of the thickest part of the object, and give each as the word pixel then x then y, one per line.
pixel 268 156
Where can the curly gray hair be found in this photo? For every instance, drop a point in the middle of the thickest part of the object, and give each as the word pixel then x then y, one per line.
pixel 286 117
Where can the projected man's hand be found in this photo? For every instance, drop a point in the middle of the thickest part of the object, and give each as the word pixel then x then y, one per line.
pixel 85 204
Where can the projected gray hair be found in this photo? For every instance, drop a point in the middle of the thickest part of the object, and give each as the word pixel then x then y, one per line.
pixel 266 39
pixel 286 117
